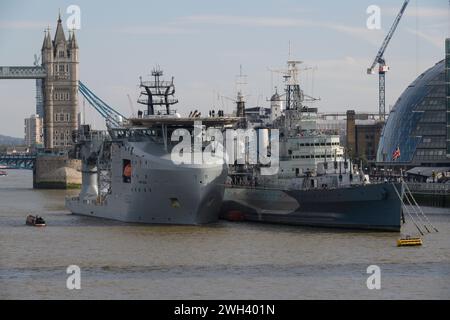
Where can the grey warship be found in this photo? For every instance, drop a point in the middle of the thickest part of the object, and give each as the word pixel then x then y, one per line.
pixel 316 185
pixel 128 173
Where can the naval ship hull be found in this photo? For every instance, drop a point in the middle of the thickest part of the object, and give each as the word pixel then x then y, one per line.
pixel 158 190
pixel 169 201
pixel 166 204
pixel 369 207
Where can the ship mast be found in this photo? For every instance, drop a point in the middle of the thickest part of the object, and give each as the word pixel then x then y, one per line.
pixel 294 95
pixel 157 93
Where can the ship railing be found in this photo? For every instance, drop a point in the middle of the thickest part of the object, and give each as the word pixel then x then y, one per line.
pixel 440 188
pixel 92 135
pixel 251 185
pixel 162 112
pixel 159 114
pixel 158 101
pixel 157 84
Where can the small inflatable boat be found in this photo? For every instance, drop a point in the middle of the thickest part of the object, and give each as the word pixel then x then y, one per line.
pixel 35 221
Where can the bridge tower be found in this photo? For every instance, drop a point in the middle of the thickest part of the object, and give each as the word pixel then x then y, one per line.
pixel 57 82
pixel 60 87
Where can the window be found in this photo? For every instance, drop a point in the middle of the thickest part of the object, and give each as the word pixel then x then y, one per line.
pixel 127 171
pixel 61 54
pixel 174 203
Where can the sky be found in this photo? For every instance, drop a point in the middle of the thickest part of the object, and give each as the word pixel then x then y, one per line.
pixel 203 43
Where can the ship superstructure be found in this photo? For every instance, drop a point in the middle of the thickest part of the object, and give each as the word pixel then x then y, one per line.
pixel 129 172
pixel 316 184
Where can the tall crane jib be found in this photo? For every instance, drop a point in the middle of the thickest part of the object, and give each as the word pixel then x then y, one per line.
pixel 382 66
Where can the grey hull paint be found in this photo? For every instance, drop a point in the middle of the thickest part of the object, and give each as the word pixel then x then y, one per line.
pixel 370 207
pixel 160 191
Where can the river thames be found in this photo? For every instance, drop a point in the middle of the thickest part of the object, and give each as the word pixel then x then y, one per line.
pixel 220 261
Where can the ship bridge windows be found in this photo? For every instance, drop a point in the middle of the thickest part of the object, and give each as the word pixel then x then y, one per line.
pixel 318 144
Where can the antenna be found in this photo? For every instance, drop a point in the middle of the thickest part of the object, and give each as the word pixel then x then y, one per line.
pixel 289 50
pixel 313 79
pixel 241 80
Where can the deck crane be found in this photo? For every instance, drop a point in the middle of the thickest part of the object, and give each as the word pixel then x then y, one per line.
pixel 382 67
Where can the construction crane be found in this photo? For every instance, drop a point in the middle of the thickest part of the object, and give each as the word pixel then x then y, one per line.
pixel 382 66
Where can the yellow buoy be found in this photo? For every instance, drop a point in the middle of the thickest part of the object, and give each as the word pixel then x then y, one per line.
pixel 409 241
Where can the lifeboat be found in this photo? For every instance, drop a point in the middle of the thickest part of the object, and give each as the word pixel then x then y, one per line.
pixel 36 221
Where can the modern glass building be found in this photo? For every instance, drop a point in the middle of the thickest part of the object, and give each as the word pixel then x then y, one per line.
pixel 419 123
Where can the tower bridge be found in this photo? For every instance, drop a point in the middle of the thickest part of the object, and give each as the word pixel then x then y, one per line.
pixel 23 72
pixel 57 83
pixel 57 79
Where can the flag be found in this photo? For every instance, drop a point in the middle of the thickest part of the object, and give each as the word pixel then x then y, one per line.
pixel 396 154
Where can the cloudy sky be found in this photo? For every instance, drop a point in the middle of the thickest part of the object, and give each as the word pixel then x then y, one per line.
pixel 202 43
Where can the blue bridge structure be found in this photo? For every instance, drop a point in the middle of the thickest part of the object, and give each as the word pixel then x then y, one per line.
pixel 18 161
pixel 28 160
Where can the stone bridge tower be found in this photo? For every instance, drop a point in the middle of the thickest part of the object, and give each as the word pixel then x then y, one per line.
pixel 60 87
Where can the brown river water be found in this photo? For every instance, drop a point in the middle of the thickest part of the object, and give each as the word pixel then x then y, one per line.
pixel 224 260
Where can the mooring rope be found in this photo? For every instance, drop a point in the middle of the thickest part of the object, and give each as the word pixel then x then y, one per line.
pixel 415 211
pixel 419 208
pixel 406 209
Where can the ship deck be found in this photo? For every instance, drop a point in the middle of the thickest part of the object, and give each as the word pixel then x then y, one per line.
pixel 186 121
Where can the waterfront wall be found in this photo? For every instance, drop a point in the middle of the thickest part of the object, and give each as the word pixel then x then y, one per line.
pixel 56 172
pixel 431 194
